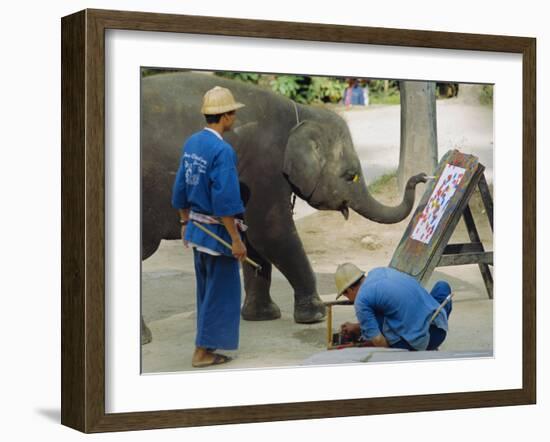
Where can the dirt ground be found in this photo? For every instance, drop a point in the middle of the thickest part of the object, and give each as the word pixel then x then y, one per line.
pixel 168 292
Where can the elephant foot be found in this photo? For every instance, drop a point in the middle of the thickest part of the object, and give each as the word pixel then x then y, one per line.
pixel 309 311
pixel 255 310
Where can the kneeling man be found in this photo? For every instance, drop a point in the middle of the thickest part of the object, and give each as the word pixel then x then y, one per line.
pixel 393 309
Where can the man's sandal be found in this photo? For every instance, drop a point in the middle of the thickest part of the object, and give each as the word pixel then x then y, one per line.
pixel 218 359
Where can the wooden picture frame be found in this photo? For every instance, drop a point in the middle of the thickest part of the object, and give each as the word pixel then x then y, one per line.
pixel 83 220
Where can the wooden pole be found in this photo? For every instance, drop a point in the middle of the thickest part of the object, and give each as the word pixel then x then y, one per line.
pixel 329 326
pixel 226 244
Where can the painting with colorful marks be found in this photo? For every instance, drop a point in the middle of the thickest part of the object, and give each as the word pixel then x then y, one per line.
pixel 435 208
pixel 437 213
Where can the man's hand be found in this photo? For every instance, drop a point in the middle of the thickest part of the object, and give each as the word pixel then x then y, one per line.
pixel 238 249
pixel 237 246
pixel 351 328
pixel 380 341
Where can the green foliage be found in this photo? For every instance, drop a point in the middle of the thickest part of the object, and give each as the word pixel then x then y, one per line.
pixel 316 90
pixel 148 72
pixel 325 90
pixel 241 76
pixel 289 86
pixel 381 183
pixel 308 90
pixel 486 94
pixel 392 97
pixel 384 92
pixel 384 86
pixel 302 89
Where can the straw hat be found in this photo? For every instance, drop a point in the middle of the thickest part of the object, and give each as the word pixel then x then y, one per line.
pixel 218 101
pixel 346 275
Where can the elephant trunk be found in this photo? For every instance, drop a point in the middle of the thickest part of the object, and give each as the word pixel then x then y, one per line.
pixel 364 204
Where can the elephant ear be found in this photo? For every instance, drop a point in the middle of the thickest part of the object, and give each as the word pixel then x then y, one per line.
pixel 303 159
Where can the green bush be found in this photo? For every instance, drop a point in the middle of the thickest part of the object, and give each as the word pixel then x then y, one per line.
pixel 289 86
pixel 147 72
pixel 381 183
pixel 486 94
pixel 300 88
pixel 380 87
pixel 309 90
pixel 392 97
pixel 241 76
pixel 325 90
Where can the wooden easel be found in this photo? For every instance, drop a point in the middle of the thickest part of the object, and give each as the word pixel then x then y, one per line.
pixel 442 254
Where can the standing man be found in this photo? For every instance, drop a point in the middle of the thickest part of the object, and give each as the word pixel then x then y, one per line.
pixel 206 190
pixel 393 309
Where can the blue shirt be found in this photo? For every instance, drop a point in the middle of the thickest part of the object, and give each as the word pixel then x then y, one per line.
pixel 397 303
pixel 354 95
pixel 207 182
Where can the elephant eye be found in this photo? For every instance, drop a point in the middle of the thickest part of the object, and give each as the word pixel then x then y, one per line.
pixel 351 176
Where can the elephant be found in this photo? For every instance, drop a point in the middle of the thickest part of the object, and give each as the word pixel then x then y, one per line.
pixel 283 148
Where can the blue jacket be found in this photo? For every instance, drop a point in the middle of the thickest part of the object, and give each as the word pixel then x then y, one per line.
pixel 397 303
pixel 357 95
pixel 207 182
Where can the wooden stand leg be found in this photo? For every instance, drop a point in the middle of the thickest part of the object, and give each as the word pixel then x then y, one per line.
pixel 474 237
pixel 329 326
pixel 486 198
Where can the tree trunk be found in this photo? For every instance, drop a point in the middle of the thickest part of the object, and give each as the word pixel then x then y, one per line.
pixel 418 152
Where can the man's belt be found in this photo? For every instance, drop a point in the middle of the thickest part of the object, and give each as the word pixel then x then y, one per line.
pixel 209 219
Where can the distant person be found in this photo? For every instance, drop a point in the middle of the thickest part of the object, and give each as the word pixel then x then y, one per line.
pixel 393 309
pixel 365 85
pixel 206 191
pixel 353 95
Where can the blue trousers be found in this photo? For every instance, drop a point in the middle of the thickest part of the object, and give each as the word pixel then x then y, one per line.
pixel 218 301
pixel 437 336
pixel 440 291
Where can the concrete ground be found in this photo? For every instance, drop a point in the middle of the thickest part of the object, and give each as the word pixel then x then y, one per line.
pixel 169 310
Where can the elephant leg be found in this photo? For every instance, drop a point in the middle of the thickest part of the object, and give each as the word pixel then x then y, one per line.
pixel 294 265
pixel 148 247
pixel 258 305
pixel 283 248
